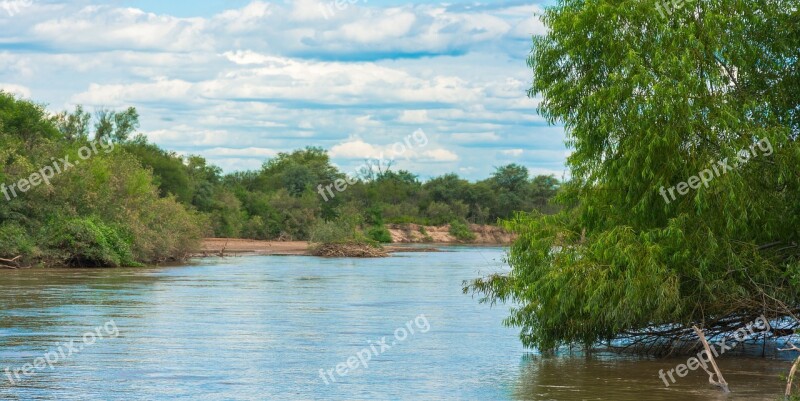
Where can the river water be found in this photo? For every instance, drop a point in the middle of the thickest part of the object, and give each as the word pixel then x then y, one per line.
pixel 302 328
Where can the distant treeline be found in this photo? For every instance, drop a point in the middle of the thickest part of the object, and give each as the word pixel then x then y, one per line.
pixel 133 202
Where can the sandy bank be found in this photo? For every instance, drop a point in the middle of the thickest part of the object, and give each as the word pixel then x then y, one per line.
pixel 417 234
pixel 402 236
pixel 213 246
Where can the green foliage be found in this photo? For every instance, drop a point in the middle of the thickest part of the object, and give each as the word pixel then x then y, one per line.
pixel 132 202
pixel 255 228
pixel 426 237
pixel 116 126
pixel 379 234
pixel 649 102
pixel 171 175
pixel 104 212
pixel 461 231
pixel 15 241
pixel 87 242
pixel 343 230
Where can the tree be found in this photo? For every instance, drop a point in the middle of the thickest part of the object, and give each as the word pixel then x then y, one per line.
pixel 511 178
pixel 75 125
pixel 169 171
pixel 116 126
pixel 649 102
pixel 297 171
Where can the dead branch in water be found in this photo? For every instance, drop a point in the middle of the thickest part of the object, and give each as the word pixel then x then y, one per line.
pixel 721 383
pixel 12 263
pixel 222 252
pixel 792 372
pixel 348 251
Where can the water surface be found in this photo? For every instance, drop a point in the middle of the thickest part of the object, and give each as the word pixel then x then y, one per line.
pixel 262 328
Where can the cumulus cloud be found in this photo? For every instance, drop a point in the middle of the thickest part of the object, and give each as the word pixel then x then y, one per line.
pixel 356 149
pixel 440 155
pixel 18 90
pixel 476 137
pixel 298 28
pixel 414 116
pixel 239 85
pixel 512 152
pixel 257 153
pixel 278 79
pixel 415 147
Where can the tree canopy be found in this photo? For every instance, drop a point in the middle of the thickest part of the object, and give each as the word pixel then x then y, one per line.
pixel 648 102
pixel 122 203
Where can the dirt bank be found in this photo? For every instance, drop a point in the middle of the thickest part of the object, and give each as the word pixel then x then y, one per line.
pixel 232 246
pixel 417 234
pixel 401 234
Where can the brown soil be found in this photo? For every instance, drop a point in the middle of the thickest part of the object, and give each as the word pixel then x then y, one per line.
pixel 401 234
pixel 232 246
pixel 412 234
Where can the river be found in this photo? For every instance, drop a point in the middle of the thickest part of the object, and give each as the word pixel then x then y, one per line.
pixel 303 328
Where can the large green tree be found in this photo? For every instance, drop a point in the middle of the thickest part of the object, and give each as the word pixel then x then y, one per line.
pixel 649 100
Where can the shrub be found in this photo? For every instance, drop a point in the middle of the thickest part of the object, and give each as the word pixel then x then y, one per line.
pixel 439 214
pixel 167 232
pixel 87 241
pixel 343 230
pixel 425 236
pixel 401 213
pixel 332 232
pixel 461 231
pixel 255 228
pixel 15 241
pixel 379 234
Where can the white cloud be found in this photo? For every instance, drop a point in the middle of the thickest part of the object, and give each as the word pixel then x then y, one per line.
pixel 19 90
pixel 476 137
pixel 106 27
pixel 162 89
pixel 512 152
pixel 282 79
pixel 258 153
pixel 276 76
pixel 440 155
pixel 355 149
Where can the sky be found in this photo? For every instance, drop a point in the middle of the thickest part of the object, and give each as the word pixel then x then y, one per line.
pixel 238 81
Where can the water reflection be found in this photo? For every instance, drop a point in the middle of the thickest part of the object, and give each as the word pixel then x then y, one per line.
pixel 614 377
pixel 261 328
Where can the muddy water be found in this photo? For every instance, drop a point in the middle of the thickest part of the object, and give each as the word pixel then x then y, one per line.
pixel 286 328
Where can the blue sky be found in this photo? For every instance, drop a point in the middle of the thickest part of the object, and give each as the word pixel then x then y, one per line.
pixel 237 81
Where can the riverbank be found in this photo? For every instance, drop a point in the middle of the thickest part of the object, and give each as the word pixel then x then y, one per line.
pixel 402 236
pixel 418 234
pixel 235 246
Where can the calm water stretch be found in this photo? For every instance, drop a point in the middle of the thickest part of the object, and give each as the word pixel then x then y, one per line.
pixel 277 328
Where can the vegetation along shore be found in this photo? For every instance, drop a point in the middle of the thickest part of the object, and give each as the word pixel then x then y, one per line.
pixel 132 203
